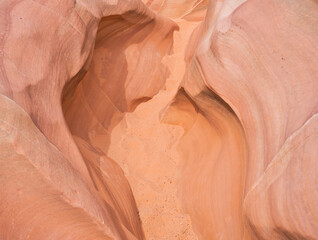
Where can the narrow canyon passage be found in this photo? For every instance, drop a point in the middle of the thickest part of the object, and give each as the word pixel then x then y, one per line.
pixel 146 149
pixel 181 169
pixel 184 158
pixel 158 120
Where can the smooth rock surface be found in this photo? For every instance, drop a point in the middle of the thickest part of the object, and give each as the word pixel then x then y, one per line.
pixel 159 119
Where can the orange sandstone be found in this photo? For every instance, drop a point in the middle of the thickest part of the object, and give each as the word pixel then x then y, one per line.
pixel 158 119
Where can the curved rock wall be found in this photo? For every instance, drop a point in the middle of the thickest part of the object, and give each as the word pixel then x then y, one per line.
pixel 158 119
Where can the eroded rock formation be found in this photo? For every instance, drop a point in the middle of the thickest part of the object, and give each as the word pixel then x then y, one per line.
pixel 153 119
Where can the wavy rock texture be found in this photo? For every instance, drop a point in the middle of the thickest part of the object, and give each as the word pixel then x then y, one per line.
pixel 158 119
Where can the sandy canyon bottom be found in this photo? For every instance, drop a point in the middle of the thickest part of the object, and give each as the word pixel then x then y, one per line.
pixel 177 161
pixel 146 148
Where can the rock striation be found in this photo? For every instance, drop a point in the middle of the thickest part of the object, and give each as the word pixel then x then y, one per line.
pixel 158 119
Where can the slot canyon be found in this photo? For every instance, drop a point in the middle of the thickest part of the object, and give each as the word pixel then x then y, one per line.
pixel 159 119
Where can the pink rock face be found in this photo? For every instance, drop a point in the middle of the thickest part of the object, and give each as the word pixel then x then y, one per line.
pixel 152 119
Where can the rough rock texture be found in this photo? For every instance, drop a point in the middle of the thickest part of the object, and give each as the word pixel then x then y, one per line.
pixel 159 119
